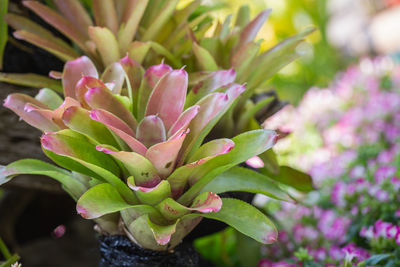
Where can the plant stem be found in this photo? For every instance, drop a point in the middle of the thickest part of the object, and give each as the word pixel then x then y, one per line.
pixel 4 250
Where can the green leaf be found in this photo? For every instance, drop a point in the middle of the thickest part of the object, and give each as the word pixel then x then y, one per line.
pixel 242 179
pixel 138 51
pixel 140 231
pixel 159 49
pixel 151 196
pixel 291 177
pixel 49 98
pixel 78 119
pixel 34 166
pixel 244 57
pixel 106 44
pixel 100 200
pixel 133 13
pixel 31 80
pixel 171 209
pixel 161 19
pixel 105 14
pixel 249 113
pixel 245 218
pixel 375 259
pixel 66 143
pixel 204 58
pixel 243 16
pixel 138 166
pixel 3 30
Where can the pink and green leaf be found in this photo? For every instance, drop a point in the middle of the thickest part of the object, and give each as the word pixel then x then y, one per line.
pixel 77 148
pixel 140 231
pixel 102 98
pixel 67 143
pixel 57 21
pixel 79 120
pixel 162 233
pixel 206 202
pixel 210 150
pixel 76 14
pixel 182 123
pixel 211 108
pixel 214 81
pixel 164 155
pixel 150 195
pixel 120 128
pixel 247 145
pixel 83 85
pixel 31 80
pixel 138 166
pixel 52 45
pixel 100 200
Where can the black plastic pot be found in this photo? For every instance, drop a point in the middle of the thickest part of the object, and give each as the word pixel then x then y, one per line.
pixel 119 251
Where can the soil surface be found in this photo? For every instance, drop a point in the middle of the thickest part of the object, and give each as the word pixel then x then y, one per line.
pixel 119 251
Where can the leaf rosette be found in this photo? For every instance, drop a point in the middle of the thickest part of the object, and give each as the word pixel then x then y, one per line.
pixel 134 156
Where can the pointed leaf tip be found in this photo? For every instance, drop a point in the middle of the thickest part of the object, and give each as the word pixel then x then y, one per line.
pixel 154 73
pixel 73 72
pixel 207 202
pixel 82 211
pixel 104 149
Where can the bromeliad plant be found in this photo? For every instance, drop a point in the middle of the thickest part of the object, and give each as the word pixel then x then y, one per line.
pixel 134 155
pixel 230 54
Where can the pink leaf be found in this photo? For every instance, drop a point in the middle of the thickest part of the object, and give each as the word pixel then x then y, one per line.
pixel 73 72
pixel 83 85
pixel 31 115
pixel 154 73
pixel 183 121
pixel 168 97
pixel 151 131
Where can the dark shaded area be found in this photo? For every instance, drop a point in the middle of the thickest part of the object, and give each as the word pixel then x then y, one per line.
pixel 119 251
pixel 23 57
